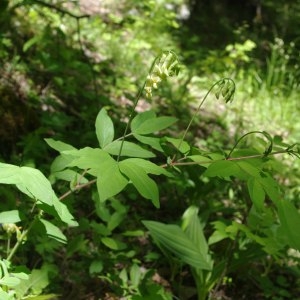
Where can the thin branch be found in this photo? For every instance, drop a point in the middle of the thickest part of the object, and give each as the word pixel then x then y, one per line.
pixel 190 163
pixel 51 6
pixel 77 187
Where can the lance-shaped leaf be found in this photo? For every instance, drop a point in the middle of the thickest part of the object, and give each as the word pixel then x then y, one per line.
pixel 141 118
pixel 110 181
pixel 192 227
pixel 154 124
pixel 53 231
pixel 173 238
pixel 104 128
pixel 290 223
pixel 58 145
pixel 35 185
pixel 149 167
pixel 142 182
pixel 129 149
pixel 256 192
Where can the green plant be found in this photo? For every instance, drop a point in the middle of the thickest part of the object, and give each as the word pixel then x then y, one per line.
pixel 118 165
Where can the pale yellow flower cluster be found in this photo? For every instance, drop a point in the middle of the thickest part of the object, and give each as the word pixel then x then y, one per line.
pixel 166 65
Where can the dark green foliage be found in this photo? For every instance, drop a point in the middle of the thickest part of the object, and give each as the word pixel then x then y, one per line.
pixel 140 191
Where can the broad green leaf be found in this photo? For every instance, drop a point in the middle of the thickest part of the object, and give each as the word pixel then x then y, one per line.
pixel 151 141
pixel 104 128
pixel 11 216
pixel 30 181
pixel 34 285
pixel 63 212
pixel 33 183
pixel 192 227
pixel 256 192
pixel 38 280
pixel 4 295
pixel 36 185
pixel 223 168
pixel 149 167
pixel 9 174
pixel 61 162
pixel 113 243
pixel 139 119
pixel 115 220
pixel 129 149
pixel 176 241
pixel 220 233
pixel 248 168
pixel 182 146
pixel 270 186
pixel 289 218
pixel 71 176
pixel 96 267
pixel 58 145
pixel 20 275
pixel 135 275
pixel 154 125
pixel 88 158
pixel 110 180
pixel 9 281
pixel 53 231
pixel 142 182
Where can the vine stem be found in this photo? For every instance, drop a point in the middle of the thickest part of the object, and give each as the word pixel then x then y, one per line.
pixel 195 114
pixel 190 163
pixel 265 134
pixel 133 109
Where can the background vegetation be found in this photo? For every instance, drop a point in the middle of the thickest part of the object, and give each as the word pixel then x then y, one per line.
pixel 62 62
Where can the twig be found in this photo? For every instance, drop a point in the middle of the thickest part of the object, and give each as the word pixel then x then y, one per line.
pixel 51 6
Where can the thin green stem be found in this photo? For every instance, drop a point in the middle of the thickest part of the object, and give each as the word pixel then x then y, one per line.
pixel 197 111
pixel 265 134
pixel 8 245
pixel 20 240
pixel 191 163
pixel 133 109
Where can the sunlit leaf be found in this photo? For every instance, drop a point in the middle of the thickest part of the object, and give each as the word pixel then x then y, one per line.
pixel 11 216
pixel 154 125
pixel 149 167
pixel 58 145
pixel 182 146
pixel 139 119
pixel 129 149
pixel 149 140
pixel 110 181
pixel 142 182
pixel 104 128
pixel 9 281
